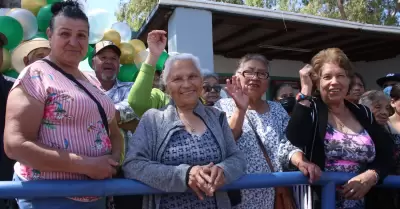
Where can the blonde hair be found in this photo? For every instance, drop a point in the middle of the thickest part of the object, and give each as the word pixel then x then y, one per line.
pixel 330 55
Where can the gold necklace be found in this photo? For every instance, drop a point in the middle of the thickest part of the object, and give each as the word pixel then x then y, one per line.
pixel 192 130
pixel 338 123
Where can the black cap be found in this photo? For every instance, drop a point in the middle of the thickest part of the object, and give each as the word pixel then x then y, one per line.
pixel 388 77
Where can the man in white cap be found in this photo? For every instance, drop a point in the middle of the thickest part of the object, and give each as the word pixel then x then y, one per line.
pixel 105 63
pixel 28 52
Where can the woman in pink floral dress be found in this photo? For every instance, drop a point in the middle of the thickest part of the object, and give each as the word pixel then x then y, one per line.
pixel 59 125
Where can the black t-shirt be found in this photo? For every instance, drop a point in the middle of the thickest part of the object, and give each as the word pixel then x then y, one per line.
pixel 5 163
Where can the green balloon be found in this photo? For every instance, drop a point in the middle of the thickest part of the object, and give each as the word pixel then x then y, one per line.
pixel 137 72
pixel 11 73
pixel 52 1
pixel 89 52
pixel 44 17
pixel 41 35
pixel 161 61
pixel 127 72
pixel 12 29
pixel 90 57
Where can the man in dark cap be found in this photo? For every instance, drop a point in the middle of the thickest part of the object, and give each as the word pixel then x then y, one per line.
pixel 388 80
pixel 6 164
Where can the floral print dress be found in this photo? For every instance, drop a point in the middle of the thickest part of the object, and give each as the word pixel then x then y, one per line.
pixel 348 153
pixel 70 121
pixel 271 127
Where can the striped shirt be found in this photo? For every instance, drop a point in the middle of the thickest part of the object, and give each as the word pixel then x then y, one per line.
pixel 71 120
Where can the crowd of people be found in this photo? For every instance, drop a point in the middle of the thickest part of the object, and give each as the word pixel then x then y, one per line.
pixel 172 130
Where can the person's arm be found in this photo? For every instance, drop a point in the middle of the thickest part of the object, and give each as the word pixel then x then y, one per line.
pixel 125 112
pixel 235 121
pixel 117 140
pixel 138 162
pixel 129 126
pixel 20 137
pixel 142 96
pixel 286 149
pixel 234 166
pixel 384 148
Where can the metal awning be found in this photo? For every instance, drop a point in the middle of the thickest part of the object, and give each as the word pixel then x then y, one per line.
pixel 239 29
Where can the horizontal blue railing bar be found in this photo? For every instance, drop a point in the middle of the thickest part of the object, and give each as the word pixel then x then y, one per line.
pixel 68 188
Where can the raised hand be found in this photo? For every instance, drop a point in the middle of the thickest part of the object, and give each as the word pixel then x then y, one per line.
pixel 306 79
pixel 238 93
pixel 156 40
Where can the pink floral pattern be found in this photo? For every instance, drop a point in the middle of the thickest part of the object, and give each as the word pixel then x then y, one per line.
pixel 54 111
pixel 70 120
pixel 102 141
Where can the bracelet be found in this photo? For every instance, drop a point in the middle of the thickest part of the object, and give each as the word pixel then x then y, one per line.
pixel 376 175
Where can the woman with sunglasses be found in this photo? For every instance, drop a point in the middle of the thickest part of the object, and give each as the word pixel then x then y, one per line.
pixel 211 89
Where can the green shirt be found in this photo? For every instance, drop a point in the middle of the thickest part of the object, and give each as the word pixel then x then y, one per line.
pixel 143 96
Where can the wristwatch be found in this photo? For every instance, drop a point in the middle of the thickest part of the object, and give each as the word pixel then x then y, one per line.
pixel 301 97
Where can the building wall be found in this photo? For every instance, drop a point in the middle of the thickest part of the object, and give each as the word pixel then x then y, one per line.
pixel 287 68
pixel 374 70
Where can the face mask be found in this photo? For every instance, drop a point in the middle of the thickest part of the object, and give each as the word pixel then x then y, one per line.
pixel 387 90
pixel 288 103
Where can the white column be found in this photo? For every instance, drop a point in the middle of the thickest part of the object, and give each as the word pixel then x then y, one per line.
pixel 190 31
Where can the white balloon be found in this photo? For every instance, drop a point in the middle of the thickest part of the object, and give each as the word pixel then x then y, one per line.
pixel 142 56
pixel 99 20
pixel 124 30
pixel 3 11
pixel 27 21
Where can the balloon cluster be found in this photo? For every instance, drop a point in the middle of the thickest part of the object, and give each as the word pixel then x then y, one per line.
pixel 133 51
pixel 33 18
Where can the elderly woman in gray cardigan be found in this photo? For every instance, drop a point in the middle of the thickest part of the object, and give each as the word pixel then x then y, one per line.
pixel 185 148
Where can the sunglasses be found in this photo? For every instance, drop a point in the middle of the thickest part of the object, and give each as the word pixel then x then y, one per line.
pixel 208 88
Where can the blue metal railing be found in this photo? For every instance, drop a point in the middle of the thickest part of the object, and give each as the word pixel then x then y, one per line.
pixel 73 188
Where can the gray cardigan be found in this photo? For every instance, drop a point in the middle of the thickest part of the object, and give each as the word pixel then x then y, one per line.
pixel 142 161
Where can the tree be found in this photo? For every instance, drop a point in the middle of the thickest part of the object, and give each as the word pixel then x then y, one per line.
pixel 135 12
pixel 380 12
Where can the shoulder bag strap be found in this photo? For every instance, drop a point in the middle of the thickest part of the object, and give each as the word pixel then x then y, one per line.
pixel 73 79
pixel 261 145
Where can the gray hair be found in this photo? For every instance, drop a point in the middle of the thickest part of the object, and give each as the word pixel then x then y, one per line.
pixel 179 57
pixel 208 74
pixel 249 57
pixel 370 97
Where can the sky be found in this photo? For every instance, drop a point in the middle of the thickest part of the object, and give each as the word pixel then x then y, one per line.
pixel 109 5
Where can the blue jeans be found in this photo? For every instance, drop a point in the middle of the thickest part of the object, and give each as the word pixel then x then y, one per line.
pixel 58 202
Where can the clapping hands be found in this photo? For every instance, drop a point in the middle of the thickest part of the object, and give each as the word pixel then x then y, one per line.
pixel 206 180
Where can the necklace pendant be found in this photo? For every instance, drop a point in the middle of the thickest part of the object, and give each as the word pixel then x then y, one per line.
pixel 192 130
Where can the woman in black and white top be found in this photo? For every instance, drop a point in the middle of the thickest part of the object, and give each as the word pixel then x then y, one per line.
pixel 253 120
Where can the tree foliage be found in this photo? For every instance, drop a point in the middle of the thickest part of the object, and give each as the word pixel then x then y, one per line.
pixel 380 12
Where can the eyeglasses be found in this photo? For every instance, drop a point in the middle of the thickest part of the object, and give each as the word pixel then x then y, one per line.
pixel 251 74
pixel 208 88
